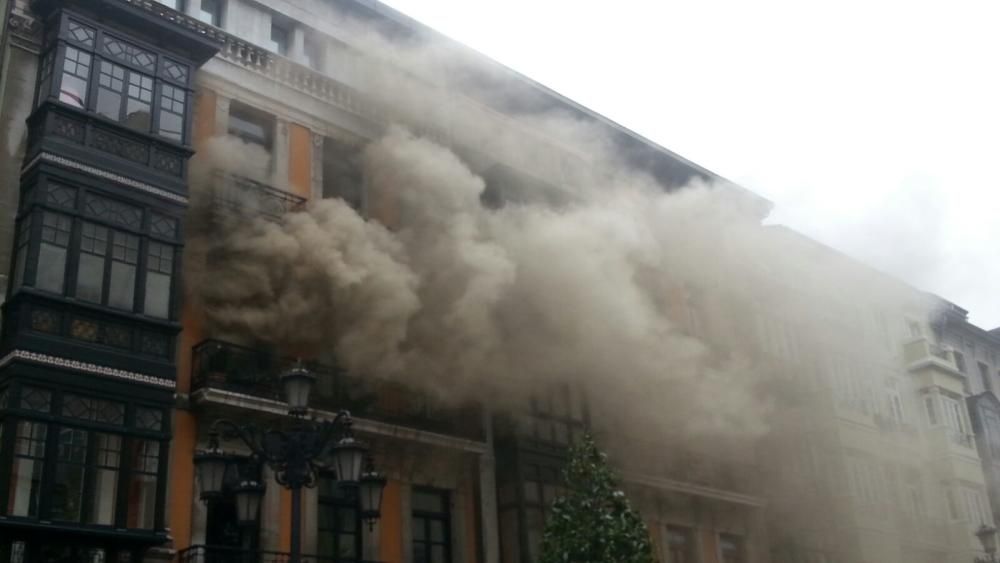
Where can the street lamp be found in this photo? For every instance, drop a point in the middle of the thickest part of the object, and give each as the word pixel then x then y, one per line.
pixel 295 455
pixel 988 538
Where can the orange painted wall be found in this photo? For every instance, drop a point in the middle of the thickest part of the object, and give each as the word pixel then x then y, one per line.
pixel 471 528
pixel 710 546
pixel 285 522
pixel 300 160
pixel 391 524
pixel 185 426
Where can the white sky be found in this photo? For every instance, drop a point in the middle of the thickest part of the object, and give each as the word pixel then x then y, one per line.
pixel 874 125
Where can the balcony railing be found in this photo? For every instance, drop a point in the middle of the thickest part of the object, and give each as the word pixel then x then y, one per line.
pixel 221 554
pixel 222 365
pixel 246 196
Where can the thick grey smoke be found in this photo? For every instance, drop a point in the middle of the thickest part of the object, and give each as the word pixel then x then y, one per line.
pixel 467 301
pixel 656 302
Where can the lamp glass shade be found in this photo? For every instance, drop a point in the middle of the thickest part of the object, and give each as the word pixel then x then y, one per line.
pixel 988 537
pixel 297 384
pixel 211 468
pixel 348 457
pixel 370 489
pixel 248 496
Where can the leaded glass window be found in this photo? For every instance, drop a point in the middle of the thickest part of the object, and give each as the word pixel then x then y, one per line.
pixel 145 468
pixel 75 77
pixel 173 101
pixel 26 472
pixel 70 472
pixel 51 271
pixel 159 273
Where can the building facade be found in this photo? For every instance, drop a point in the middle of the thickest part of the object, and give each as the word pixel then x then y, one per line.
pixel 110 377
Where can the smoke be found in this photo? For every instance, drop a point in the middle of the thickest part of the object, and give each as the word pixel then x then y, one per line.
pixel 661 302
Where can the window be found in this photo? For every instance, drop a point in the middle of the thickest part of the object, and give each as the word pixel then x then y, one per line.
pixel 26 473
pixel 430 526
pixel 173 101
pixel 930 406
pixel 895 402
pixel 314 48
pixel 75 76
pixel 145 467
pixel 954 414
pixel 342 175
pixel 125 95
pixel 106 265
pixel 984 375
pixel 280 38
pixel 52 250
pixel 252 126
pixel 914 328
pixel 960 361
pixel 680 545
pixel 339 521
pixel 84 465
pixel 127 89
pixel 159 274
pixel 973 506
pixel 731 549
pixel 211 12
pixel 865 481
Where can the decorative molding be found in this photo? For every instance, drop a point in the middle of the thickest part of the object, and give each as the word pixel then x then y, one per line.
pixel 25 27
pixel 100 173
pixel 56 361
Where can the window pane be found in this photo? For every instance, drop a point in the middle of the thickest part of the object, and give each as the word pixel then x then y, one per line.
pixel 142 486
pixel 26 473
pixel 211 11
pixel 51 268
pixel 437 530
pixel 90 278
pixel 438 554
pixel 157 295
pixel 76 70
pixel 105 479
pixel 111 85
pixel 140 98
pixel 67 487
pixel 121 294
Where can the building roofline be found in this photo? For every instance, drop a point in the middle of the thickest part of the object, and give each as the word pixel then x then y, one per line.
pixel 381 9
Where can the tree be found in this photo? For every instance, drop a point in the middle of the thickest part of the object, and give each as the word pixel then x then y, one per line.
pixel 593 521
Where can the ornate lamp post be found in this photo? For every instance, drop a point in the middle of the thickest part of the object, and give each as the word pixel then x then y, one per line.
pixel 295 455
pixel 988 537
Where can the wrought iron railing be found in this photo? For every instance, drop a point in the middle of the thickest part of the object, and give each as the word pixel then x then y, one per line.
pixel 223 554
pixel 243 195
pixel 252 371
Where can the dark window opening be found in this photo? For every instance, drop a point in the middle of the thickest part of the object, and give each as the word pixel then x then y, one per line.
pixel 680 545
pixel 280 38
pixel 339 530
pixel 342 175
pixel 984 375
pixel 431 526
pixel 731 548
pixel 211 12
pixel 960 361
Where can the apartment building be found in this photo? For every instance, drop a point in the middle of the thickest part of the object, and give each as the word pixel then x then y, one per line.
pixel 110 378
pixel 976 352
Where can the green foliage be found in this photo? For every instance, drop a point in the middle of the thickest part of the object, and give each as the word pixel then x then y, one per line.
pixel 593 522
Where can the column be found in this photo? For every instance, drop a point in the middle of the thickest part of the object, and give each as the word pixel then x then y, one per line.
pixel 488 495
pixel 317 166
